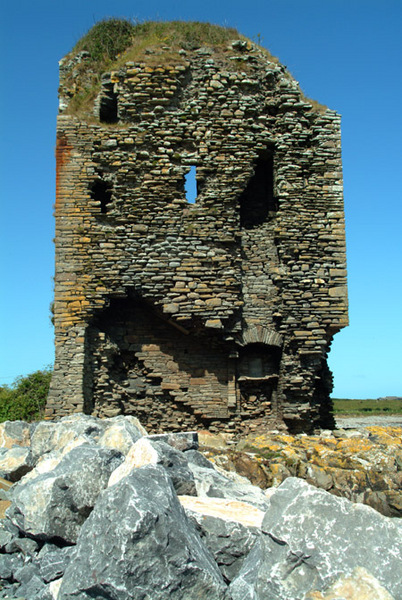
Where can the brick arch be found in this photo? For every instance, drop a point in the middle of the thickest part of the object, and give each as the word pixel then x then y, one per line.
pixel 258 334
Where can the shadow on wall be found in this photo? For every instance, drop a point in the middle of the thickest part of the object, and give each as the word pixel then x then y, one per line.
pixel 135 360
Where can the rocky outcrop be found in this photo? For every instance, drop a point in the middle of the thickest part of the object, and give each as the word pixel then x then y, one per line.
pixel 95 520
pixel 361 465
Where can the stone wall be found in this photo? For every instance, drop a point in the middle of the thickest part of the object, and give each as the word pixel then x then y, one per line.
pixel 217 313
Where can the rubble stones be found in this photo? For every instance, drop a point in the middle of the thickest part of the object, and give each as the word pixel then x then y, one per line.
pixel 361 465
pixel 138 538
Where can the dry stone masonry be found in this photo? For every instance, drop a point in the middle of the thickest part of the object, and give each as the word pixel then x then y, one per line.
pixel 216 313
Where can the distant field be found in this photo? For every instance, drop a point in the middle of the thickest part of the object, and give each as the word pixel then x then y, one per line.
pixel 390 406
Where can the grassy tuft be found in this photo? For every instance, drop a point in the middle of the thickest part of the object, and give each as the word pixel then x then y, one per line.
pixel 106 40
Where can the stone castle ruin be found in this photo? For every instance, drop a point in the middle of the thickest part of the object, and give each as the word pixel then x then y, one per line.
pixel 210 312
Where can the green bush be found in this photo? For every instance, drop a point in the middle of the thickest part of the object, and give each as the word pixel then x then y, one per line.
pixel 25 399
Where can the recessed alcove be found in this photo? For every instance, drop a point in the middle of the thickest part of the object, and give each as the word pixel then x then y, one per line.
pixel 101 192
pixel 258 201
pixel 108 105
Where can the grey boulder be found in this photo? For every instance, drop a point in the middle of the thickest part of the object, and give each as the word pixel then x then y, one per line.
pixel 54 505
pixel 214 484
pixel 228 541
pixel 310 537
pixel 176 466
pixel 138 543
pixel 15 462
pixel 49 435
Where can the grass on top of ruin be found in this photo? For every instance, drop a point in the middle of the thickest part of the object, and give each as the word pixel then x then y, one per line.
pixel 113 42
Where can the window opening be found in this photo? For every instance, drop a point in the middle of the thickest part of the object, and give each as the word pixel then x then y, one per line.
pixel 190 185
pixel 102 192
pixel 259 361
pixel 258 201
pixel 108 105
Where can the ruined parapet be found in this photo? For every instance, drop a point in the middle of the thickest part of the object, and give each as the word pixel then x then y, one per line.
pixel 217 313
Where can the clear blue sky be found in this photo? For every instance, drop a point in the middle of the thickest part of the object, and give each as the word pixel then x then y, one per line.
pixel 346 54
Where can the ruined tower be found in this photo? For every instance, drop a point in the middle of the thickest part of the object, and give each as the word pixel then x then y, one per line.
pixel 210 312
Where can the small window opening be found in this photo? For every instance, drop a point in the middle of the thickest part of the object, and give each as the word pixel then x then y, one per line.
pixel 102 192
pixel 258 361
pixel 108 109
pixel 190 185
pixel 258 201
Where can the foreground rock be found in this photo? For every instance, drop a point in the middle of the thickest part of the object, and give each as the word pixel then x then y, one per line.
pixel 309 538
pixel 101 515
pixel 138 539
pixel 229 529
pixel 55 505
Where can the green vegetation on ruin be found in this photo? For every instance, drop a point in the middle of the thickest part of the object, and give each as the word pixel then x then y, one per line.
pixel 109 39
pixel 381 406
pixel 111 43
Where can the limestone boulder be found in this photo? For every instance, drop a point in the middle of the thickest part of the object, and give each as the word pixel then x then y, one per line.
pixel 15 433
pixel 148 451
pixel 121 433
pixel 310 538
pixel 49 435
pixel 214 484
pixel 228 528
pixel 53 561
pixel 15 462
pixel 138 543
pixel 54 505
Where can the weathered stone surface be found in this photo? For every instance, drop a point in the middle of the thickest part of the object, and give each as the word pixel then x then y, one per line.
pixel 49 436
pixel 145 547
pixel 121 433
pixel 9 564
pixel 310 538
pixel 211 483
pixel 54 505
pixel 53 561
pixel 359 585
pixel 148 451
pixel 15 433
pixel 228 528
pixel 224 509
pixel 15 462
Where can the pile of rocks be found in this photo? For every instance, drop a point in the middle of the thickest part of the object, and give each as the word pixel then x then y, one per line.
pixel 100 510
pixel 361 465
